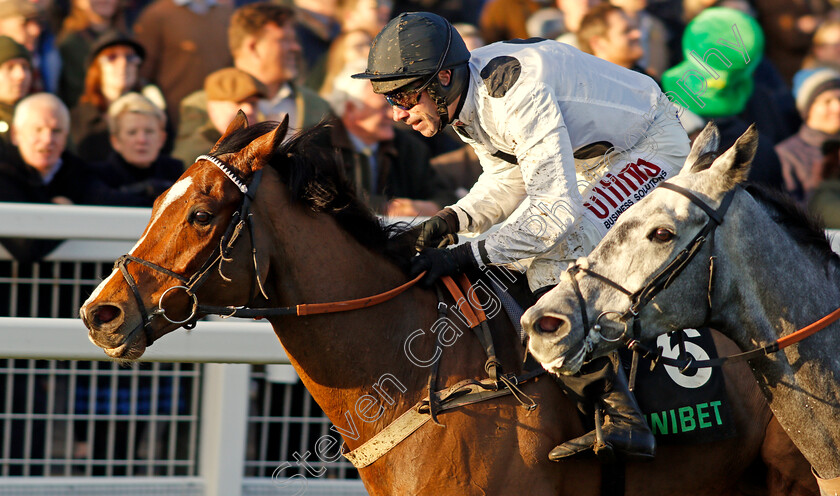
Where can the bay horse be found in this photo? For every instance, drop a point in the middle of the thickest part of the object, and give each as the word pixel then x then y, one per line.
pixel 763 269
pixel 311 241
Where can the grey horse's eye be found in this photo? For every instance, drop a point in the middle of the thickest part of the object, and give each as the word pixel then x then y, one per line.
pixel 662 235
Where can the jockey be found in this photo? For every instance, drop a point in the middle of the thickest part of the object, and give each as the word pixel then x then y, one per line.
pixel 568 139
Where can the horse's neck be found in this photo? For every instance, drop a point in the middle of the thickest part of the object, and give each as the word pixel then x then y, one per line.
pixel 778 288
pixel 342 357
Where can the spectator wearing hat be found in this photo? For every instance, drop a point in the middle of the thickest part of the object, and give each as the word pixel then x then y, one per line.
pixel 15 82
pixel 135 167
pixel 716 81
pixel 80 32
pixel 21 21
pixel 818 101
pixel 226 91
pixel 389 166
pixel 185 40
pixel 113 70
pixel 264 44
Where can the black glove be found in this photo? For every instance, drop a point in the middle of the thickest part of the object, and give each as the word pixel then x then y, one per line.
pixel 438 231
pixel 442 262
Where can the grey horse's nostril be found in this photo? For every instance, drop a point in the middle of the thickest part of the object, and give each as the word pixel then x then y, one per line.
pixel 548 324
pixel 105 314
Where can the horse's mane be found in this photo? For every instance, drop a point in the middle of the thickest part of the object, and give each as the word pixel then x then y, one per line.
pixel 804 227
pixel 314 174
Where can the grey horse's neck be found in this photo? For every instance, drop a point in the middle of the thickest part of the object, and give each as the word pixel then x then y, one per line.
pixel 777 285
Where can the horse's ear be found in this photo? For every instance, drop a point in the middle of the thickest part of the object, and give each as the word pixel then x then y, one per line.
pixel 734 165
pixel 238 122
pixel 706 142
pixel 261 149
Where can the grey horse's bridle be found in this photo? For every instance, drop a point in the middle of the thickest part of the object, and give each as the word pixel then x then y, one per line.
pixel 660 281
pixel 241 218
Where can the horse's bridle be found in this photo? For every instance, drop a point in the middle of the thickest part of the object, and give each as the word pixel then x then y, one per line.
pixel 241 218
pixel 663 279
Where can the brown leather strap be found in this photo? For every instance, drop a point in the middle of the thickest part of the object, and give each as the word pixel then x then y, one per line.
pixel 461 301
pixel 343 306
pixel 808 330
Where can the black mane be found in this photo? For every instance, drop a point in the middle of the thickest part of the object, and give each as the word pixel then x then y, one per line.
pixel 314 174
pixel 804 227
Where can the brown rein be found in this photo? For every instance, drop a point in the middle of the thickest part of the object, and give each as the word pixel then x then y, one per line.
pixel 808 330
pixel 310 308
pixel 655 355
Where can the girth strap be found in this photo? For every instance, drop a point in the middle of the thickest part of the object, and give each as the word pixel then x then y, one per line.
pixel 461 394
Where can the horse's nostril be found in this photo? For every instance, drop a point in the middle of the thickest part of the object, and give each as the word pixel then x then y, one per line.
pixel 105 314
pixel 548 324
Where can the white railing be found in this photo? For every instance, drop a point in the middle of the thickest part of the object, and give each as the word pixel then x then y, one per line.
pixel 227 349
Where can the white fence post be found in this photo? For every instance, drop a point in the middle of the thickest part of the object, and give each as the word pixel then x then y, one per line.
pixel 224 416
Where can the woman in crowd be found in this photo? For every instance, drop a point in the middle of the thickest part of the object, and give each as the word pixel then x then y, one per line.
pixel 87 21
pixel 818 101
pixel 135 167
pixel 113 70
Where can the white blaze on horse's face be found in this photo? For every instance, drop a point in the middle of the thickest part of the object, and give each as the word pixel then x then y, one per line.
pixel 178 190
pixel 128 311
pixel 644 240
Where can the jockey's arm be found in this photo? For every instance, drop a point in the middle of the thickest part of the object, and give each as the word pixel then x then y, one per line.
pixel 494 196
pixel 545 175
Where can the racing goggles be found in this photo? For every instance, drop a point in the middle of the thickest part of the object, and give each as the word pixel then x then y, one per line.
pixel 408 96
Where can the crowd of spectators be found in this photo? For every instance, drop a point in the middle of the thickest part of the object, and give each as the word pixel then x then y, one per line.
pixel 107 102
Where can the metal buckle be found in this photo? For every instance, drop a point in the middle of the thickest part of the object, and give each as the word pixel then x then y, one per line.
pixel 597 327
pixel 162 312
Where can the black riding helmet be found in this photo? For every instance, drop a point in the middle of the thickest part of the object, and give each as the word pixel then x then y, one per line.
pixel 416 46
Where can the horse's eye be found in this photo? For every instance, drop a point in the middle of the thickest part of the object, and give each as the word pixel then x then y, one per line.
pixel 662 235
pixel 202 217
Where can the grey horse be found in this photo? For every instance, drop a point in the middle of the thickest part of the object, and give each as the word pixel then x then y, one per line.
pixel 773 273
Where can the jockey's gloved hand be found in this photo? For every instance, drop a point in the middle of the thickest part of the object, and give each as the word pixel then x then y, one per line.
pixel 439 262
pixel 439 231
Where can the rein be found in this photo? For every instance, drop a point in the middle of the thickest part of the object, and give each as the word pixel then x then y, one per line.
pixel 662 280
pixel 309 308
